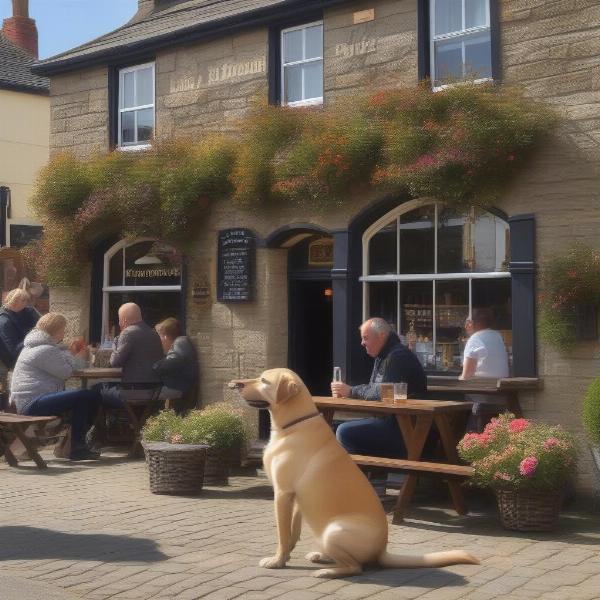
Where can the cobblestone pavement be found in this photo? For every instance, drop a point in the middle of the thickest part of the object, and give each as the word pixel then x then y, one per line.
pixel 95 531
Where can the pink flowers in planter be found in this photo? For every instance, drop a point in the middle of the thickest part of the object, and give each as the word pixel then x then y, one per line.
pixel 528 466
pixel 519 454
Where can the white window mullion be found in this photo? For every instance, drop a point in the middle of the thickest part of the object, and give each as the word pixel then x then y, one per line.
pixel 434 324
pixel 470 296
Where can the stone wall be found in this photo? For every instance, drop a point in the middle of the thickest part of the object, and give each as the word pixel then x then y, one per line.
pixel 549 47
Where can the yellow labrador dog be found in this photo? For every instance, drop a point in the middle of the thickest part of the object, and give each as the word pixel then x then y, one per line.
pixel 314 478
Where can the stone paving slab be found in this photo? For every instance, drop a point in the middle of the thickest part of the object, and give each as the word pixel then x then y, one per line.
pixel 94 531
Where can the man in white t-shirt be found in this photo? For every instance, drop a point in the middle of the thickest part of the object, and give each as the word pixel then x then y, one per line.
pixel 485 356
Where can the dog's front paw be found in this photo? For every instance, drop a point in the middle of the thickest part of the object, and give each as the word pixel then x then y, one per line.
pixel 272 562
pixel 318 557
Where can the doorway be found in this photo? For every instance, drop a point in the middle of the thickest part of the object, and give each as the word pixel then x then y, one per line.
pixel 311 333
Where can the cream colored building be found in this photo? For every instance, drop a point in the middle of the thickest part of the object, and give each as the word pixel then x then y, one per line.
pixel 24 129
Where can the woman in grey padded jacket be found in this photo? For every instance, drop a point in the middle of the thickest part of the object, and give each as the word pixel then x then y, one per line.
pixel 38 382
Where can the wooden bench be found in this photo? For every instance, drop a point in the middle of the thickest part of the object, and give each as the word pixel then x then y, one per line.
pixel 17 425
pixel 450 472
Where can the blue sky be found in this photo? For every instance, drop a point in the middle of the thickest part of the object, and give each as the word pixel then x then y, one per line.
pixel 64 24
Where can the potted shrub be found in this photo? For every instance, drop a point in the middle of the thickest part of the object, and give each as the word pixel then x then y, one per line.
pixel 527 465
pixel 176 455
pixel 222 427
pixel 591 420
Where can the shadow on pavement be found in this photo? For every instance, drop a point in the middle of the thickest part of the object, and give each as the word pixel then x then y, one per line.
pixel 24 543
pixel 579 528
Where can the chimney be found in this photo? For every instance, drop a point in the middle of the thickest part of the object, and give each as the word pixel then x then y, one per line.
pixel 20 29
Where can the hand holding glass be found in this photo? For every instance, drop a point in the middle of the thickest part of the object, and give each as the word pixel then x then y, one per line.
pixel 400 392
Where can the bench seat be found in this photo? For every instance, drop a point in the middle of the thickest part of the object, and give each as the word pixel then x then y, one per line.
pixel 414 466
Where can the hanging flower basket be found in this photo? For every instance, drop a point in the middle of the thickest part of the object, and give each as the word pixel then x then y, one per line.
pixel 522 510
pixel 175 468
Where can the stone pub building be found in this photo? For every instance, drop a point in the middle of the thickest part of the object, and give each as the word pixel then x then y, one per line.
pixel 290 287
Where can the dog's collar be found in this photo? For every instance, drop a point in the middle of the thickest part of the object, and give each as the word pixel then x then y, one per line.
pixel 300 419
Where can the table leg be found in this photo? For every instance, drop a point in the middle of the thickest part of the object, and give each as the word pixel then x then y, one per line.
pixel 415 437
pixel 327 415
pixel 512 399
pixel 449 443
pixel 8 455
pixel 136 425
pixel 30 446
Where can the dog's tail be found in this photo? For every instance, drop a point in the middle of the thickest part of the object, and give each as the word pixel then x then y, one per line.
pixel 433 559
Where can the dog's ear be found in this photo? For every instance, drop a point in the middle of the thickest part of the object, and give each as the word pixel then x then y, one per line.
pixel 286 388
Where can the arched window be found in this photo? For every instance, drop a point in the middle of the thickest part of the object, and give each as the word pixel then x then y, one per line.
pixel 143 271
pixel 426 266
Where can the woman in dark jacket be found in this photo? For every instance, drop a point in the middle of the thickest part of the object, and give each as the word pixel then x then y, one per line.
pixel 178 370
pixel 17 319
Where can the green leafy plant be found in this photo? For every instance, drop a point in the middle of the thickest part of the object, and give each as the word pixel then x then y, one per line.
pixel 219 425
pixel 461 145
pixel 591 411
pixel 568 280
pixel 519 454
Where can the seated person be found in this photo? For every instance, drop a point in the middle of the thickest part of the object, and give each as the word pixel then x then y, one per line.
pixel 394 362
pixel 484 356
pixel 136 350
pixel 17 319
pixel 38 383
pixel 178 370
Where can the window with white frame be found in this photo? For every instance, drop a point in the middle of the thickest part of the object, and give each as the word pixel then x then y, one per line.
pixel 426 266
pixel 136 105
pixel 302 65
pixel 460 40
pixel 143 271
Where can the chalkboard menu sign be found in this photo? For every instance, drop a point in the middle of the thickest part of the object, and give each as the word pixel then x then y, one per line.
pixel 235 276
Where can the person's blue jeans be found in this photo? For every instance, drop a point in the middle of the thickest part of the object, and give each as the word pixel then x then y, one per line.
pixel 83 405
pixel 373 437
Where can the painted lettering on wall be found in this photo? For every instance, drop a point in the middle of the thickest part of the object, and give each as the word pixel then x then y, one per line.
pixel 228 71
pixel 154 272
pixel 186 84
pixel 356 48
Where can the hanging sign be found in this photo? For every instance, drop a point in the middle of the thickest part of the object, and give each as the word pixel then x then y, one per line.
pixel 235 265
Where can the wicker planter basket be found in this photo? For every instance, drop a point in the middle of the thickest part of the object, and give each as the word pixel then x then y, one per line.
pixel 175 468
pixel 529 511
pixel 218 461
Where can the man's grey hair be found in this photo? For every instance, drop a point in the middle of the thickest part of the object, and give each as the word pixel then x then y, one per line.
pixel 377 325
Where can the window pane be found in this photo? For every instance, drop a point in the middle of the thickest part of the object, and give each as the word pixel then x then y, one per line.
pixel 313 80
pixel 495 294
pixel 145 93
pixel 314 42
pixel 452 241
pixel 475 13
pixel 448 16
pixel 490 243
pixel 128 127
pixel 382 251
pixel 156 306
pixel 383 302
pixel 292 45
pixel 145 124
pixel 478 56
pixel 417 319
pixel 293 83
pixel 417 241
pixel 448 61
pixel 115 269
pixel 452 308
pixel 128 95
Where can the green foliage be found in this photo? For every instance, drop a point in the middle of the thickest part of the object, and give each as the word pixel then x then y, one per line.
pixel 519 454
pixel 568 280
pixel 62 187
pixel 461 145
pixel 219 425
pixel 161 427
pixel 591 411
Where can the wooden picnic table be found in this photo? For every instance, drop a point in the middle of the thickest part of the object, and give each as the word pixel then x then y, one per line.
pixel 17 425
pixel 507 387
pixel 106 373
pixel 415 418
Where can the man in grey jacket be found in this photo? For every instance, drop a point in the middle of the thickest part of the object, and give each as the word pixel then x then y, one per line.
pixel 136 350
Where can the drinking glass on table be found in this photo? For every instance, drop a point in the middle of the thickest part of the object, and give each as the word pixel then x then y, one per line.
pixel 400 392
pixel 337 378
